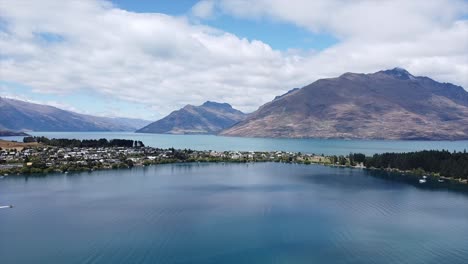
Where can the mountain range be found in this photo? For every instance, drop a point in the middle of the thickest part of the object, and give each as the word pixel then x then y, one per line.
pixel 25 116
pixel 208 118
pixel 390 104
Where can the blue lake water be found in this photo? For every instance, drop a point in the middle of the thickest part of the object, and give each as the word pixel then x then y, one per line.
pixel 229 213
pixel 219 143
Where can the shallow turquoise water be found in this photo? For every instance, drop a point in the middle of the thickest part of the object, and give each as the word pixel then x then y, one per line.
pixel 229 213
pixel 317 146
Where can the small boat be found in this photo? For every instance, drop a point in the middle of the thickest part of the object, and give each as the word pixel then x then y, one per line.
pixel 424 177
pixel 422 180
pixel 6 206
pixel 440 180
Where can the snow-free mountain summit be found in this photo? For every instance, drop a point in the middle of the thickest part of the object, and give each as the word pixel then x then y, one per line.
pixel 208 118
pixel 391 104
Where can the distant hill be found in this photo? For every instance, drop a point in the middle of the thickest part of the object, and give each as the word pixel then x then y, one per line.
pixel 209 118
pixel 24 116
pixel 8 133
pixel 130 124
pixel 391 104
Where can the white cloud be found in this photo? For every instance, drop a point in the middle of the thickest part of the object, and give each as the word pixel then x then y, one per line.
pixel 204 9
pixel 426 37
pixel 166 62
pixel 368 19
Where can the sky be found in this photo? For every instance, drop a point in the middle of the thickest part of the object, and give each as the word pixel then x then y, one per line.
pixel 145 59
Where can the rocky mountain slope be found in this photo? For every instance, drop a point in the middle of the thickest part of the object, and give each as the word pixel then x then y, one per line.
pixel 209 118
pixel 391 104
pixel 25 116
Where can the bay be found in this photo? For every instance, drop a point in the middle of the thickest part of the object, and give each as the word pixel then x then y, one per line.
pixel 229 213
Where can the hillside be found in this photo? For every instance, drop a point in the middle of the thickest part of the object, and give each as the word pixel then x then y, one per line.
pixel 391 104
pixel 209 118
pixel 25 116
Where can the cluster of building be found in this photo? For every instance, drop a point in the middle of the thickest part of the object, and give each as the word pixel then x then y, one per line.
pixel 44 158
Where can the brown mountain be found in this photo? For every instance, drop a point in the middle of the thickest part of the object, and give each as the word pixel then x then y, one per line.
pixel 25 116
pixel 209 118
pixel 391 104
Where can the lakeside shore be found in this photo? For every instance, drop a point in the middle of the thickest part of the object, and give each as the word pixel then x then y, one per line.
pixel 38 158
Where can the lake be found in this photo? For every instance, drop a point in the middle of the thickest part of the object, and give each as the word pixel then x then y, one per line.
pixel 229 213
pixel 219 143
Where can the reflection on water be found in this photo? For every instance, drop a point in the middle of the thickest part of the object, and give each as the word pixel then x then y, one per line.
pixel 229 213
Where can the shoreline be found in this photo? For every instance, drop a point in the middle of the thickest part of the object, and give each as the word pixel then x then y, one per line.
pixel 449 183
pixel 41 156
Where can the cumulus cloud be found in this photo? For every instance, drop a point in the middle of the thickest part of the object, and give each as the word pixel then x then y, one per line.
pixel 166 62
pixel 427 37
pixel 367 19
pixel 204 9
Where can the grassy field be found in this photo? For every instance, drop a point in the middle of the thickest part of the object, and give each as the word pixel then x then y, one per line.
pixel 4 144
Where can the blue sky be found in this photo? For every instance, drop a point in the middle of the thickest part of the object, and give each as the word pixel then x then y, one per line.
pixel 278 35
pixel 144 58
pixel 176 8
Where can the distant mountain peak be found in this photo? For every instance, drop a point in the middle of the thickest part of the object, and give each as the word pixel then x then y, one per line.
pixel 389 104
pixel 208 118
pixel 399 73
pixel 216 104
pixel 351 75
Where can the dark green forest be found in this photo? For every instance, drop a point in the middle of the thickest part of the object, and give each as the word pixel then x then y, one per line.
pixel 85 143
pixel 445 163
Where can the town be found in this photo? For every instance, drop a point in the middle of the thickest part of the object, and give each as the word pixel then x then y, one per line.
pixel 40 155
pixel 46 158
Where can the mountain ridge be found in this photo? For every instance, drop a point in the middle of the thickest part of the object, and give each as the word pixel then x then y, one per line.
pixel 391 104
pixel 9 133
pixel 25 116
pixel 208 118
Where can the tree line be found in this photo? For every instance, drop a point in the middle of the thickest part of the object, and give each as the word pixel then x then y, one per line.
pixel 85 143
pixel 444 163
